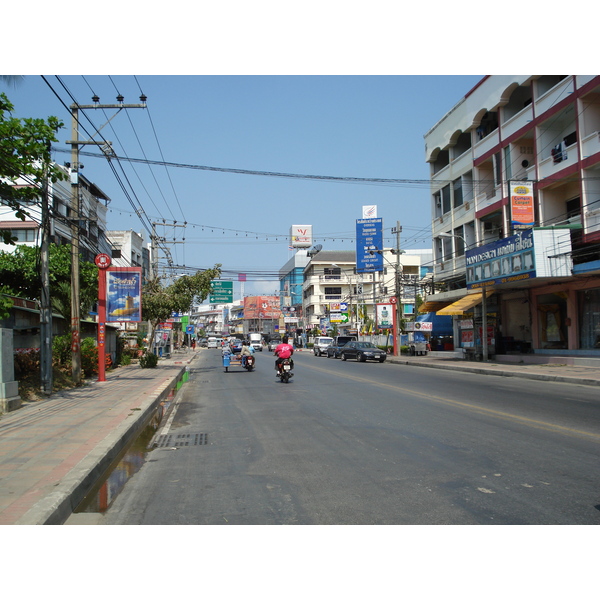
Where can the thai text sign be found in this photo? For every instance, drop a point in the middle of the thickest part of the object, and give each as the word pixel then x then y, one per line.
pixel 508 260
pixel 521 204
pixel 369 239
pixel 221 292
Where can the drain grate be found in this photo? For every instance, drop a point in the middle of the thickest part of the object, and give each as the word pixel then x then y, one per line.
pixel 180 440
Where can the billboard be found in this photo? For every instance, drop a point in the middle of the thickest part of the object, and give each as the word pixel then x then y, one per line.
pixel 301 236
pixel 369 239
pixel 123 294
pixel 522 210
pixel 261 307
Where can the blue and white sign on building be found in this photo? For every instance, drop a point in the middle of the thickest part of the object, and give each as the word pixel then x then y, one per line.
pixel 531 253
pixel 369 239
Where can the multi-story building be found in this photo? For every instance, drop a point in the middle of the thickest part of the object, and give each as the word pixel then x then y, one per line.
pixel 93 208
pixel 330 279
pixel 515 163
pixel 129 249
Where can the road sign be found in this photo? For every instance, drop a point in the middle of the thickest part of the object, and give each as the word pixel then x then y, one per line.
pixel 221 292
pixel 393 300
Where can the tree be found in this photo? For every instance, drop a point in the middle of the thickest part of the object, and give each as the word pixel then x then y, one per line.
pixel 24 155
pixel 19 274
pixel 159 302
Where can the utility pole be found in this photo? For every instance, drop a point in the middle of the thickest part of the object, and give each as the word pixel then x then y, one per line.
pixel 46 306
pixel 75 142
pixel 397 230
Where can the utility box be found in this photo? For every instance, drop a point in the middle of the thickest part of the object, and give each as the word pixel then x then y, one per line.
pixel 9 388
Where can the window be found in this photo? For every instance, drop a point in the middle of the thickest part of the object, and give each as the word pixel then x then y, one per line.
pixel 332 273
pixel 457 192
pixel 24 235
pixel 333 293
pixel 446 206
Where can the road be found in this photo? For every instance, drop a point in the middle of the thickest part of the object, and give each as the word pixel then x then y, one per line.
pixel 370 443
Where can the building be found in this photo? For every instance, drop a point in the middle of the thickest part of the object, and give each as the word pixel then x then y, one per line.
pixel 92 220
pixel 335 294
pixel 291 281
pixel 515 204
pixel 129 249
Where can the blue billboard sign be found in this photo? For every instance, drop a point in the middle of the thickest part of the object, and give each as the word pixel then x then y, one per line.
pixel 508 260
pixel 369 239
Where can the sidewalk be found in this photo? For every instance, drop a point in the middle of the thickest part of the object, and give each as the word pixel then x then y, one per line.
pixel 54 450
pixel 557 372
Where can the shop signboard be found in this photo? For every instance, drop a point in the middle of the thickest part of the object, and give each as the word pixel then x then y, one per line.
pixel 521 204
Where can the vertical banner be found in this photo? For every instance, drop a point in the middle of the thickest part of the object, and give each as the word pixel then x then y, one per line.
pixel 522 210
pixel 369 239
pixel 124 294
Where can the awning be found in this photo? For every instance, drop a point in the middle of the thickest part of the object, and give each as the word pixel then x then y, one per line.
pixel 464 304
pixel 433 306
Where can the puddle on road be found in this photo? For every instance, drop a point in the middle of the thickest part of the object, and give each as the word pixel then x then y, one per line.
pixel 125 466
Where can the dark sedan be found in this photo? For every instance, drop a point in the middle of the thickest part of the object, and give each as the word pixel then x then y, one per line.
pixel 334 349
pixel 362 351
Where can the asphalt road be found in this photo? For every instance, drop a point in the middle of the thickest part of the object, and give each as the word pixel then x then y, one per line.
pixel 370 443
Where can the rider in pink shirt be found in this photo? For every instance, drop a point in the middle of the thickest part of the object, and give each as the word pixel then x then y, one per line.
pixel 283 350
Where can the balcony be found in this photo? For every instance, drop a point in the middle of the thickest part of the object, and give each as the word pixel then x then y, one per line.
pixel 486 144
pixel 548 168
pixel 552 97
pixel 517 122
pixel 590 144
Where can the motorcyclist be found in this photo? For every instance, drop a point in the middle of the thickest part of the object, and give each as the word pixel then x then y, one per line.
pixel 283 350
pixel 246 351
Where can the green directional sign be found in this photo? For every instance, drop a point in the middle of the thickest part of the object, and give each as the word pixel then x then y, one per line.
pixel 221 292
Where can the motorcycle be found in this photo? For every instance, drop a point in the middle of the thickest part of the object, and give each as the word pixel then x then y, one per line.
pixel 248 362
pixel 284 370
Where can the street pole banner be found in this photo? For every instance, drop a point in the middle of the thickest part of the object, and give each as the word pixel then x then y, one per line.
pixel 369 239
pixel 124 294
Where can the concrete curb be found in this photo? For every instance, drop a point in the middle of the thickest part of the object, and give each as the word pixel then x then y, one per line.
pixel 490 370
pixel 57 507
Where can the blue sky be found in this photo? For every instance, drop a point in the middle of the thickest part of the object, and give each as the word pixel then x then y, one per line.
pixel 263 87
pixel 340 126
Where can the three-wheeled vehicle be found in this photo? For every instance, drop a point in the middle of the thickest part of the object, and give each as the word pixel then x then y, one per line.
pixel 237 360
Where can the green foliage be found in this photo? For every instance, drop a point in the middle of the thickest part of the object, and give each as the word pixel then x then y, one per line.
pixel 19 273
pixel 24 152
pixel 125 359
pixel 159 302
pixel 61 350
pixel 89 356
pixel 5 305
pixel 148 360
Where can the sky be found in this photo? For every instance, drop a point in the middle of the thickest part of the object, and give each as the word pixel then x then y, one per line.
pixel 339 126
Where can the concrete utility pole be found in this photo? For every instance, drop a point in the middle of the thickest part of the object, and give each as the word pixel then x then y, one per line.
pixel 397 230
pixel 46 305
pixel 76 217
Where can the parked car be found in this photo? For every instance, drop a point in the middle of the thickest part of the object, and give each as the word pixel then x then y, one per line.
pixel 333 350
pixel 362 351
pixel 320 345
pixel 203 343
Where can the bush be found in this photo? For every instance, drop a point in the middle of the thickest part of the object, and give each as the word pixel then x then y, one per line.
pixel 89 357
pixel 61 350
pixel 26 360
pixel 126 359
pixel 148 360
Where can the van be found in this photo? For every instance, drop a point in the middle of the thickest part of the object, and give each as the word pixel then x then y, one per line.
pixel 256 341
pixel 320 345
pixel 214 342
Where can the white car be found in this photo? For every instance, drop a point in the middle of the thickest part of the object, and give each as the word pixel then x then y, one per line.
pixel 320 345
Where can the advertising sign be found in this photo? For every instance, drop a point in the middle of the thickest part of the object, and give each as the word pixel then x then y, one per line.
pixel 262 307
pixel 123 294
pixel 301 236
pixel 385 316
pixel 508 260
pixel 369 239
pixel 221 292
pixel 522 209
